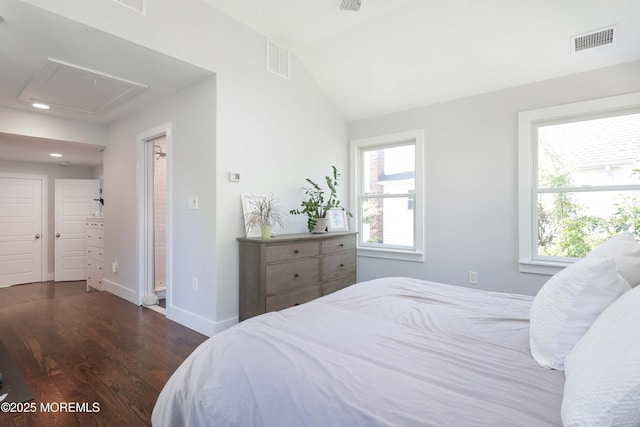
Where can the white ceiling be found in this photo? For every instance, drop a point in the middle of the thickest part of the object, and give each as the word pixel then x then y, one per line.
pixel 390 56
pixel 398 54
pixel 20 148
pixel 29 35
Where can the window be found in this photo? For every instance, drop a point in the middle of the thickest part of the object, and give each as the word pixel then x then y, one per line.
pixel 579 179
pixel 387 188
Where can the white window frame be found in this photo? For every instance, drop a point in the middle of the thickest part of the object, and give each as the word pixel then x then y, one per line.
pixel 357 147
pixel 527 169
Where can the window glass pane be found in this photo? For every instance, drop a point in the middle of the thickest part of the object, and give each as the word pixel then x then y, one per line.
pixel 388 221
pixel 389 170
pixel 591 152
pixel 572 224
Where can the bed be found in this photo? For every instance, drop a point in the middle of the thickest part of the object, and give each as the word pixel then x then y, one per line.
pixel 407 352
pixel 386 352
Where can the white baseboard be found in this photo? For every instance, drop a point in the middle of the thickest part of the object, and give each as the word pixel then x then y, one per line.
pixel 121 291
pixel 184 317
pixel 226 324
pixel 48 277
pixel 198 323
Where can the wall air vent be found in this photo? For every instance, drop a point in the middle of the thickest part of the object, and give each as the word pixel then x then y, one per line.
pixel 139 6
pixel 278 61
pixel 593 39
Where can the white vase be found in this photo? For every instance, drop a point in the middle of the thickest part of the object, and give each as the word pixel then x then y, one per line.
pixel 321 226
pixel 265 231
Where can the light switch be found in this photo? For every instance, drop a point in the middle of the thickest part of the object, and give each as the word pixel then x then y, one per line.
pixel 234 176
pixel 193 202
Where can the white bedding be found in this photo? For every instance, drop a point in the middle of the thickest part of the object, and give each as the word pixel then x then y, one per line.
pixel 388 352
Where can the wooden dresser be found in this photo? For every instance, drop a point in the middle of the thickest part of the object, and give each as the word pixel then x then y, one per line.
pixel 292 269
pixel 95 253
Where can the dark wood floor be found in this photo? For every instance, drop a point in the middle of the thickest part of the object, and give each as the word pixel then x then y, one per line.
pixel 74 346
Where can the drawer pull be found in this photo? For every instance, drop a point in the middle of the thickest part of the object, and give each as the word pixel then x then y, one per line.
pixel 341 265
pixel 297 251
pixel 296 275
pixel 341 245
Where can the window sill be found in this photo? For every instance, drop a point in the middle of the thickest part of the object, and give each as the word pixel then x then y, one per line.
pixel 548 268
pixel 397 254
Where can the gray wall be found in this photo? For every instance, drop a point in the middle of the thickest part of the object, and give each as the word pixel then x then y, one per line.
pixel 471 177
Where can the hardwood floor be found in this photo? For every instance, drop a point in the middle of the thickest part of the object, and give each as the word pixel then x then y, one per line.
pixel 79 347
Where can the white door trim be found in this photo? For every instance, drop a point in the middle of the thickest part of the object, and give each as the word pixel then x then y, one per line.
pixel 45 274
pixel 145 222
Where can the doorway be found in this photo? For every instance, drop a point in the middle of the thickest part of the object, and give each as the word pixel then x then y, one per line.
pixel 160 218
pixel 154 218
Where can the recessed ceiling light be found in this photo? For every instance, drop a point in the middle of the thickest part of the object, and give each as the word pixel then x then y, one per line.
pixel 41 106
pixel 55 155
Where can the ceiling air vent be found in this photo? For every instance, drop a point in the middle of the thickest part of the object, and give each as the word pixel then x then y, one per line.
pixel 278 61
pixel 593 39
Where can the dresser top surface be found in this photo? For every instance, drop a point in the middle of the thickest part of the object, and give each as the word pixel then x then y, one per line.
pixel 282 238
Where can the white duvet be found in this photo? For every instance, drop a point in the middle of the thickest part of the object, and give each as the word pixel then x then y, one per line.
pixel 388 352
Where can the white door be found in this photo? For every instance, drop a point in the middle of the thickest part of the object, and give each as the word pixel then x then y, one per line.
pixel 74 204
pixel 20 231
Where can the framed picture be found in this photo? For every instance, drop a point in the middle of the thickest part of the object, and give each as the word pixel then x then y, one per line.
pixel 249 205
pixel 337 220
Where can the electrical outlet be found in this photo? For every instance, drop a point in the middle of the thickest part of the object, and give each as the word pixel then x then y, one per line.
pixel 473 277
pixel 194 284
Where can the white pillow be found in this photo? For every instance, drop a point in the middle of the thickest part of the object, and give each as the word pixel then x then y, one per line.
pixel 625 251
pixel 568 304
pixel 602 386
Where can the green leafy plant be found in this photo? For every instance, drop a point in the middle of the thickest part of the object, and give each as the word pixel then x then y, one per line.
pixel 318 204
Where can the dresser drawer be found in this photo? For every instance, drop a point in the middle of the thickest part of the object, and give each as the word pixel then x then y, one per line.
pixel 291 251
pixel 335 285
pixel 95 237
pixel 338 244
pixel 96 268
pixel 295 297
pixel 283 277
pixel 338 265
pixel 95 252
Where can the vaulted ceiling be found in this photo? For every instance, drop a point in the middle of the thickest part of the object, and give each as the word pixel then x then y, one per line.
pixel 389 56
pixel 398 54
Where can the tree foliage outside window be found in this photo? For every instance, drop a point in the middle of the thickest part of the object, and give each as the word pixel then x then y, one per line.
pixel 582 199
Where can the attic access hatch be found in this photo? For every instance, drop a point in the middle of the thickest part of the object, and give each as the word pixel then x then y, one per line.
pixel 63 85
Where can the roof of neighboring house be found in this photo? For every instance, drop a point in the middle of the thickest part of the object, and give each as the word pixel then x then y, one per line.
pixel 591 143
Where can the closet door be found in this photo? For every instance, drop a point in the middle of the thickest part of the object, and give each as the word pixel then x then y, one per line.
pixel 73 205
pixel 20 231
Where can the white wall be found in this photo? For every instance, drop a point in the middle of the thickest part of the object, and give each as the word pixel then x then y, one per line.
pixel 41 125
pixel 274 132
pixel 191 160
pixel 53 172
pixel 471 149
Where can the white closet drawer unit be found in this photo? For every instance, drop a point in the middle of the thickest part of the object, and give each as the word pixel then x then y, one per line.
pixel 95 253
